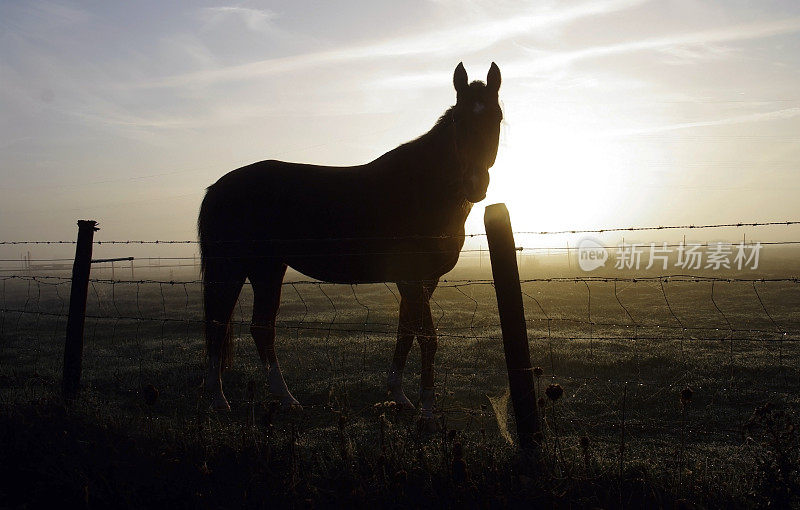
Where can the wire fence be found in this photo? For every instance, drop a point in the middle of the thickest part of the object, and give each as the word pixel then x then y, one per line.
pixel 622 346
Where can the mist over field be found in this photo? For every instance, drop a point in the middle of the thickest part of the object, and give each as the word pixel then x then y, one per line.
pixel 291 299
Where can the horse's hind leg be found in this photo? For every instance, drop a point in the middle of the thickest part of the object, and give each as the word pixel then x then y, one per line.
pixel 220 292
pixel 267 282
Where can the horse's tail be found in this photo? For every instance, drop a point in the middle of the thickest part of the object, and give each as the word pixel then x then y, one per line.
pixel 203 233
pixel 208 273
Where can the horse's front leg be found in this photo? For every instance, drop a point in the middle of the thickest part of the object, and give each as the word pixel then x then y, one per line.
pixel 415 320
pixel 405 339
pixel 428 344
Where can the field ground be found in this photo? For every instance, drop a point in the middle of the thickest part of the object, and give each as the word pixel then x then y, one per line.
pixel 619 436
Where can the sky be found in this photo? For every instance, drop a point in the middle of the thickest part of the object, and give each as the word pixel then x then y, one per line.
pixel 617 112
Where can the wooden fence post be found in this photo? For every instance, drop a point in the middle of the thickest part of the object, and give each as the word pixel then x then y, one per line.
pixel 73 346
pixel 502 254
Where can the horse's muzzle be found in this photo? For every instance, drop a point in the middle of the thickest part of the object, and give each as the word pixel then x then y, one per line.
pixel 475 185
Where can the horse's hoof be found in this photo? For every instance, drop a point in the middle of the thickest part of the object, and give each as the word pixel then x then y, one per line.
pixel 406 406
pixel 403 403
pixel 291 404
pixel 427 425
pixel 221 405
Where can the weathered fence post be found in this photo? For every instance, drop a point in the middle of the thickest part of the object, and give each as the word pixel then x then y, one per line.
pixel 502 254
pixel 73 347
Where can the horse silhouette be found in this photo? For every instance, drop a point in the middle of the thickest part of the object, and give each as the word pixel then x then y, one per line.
pixel 399 218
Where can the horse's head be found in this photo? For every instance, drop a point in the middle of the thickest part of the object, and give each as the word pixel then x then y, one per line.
pixel 476 120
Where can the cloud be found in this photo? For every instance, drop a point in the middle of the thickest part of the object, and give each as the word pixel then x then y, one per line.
pixel 51 14
pixel 695 46
pixel 696 53
pixel 671 43
pixel 257 20
pixel 188 48
pixel 782 114
pixel 458 40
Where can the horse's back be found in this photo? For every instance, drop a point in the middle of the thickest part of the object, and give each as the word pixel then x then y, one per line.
pixel 341 224
pixel 276 199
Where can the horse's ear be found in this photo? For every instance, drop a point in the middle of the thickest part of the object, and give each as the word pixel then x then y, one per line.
pixel 460 79
pixel 493 78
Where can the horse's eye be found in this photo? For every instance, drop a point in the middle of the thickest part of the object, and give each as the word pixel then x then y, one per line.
pixel 478 107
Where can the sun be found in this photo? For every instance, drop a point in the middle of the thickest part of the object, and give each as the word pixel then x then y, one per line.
pixel 554 178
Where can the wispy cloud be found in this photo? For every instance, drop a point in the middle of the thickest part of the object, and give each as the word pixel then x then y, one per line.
pixel 462 39
pixel 52 14
pixel 257 20
pixel 673 42
pixel 682 47
pixel 697 53
pixel 782 114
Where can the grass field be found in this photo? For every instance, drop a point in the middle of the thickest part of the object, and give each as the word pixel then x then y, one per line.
pixel 619 436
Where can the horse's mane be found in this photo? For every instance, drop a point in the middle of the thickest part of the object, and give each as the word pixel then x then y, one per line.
pixel 442 123
pixel 446 118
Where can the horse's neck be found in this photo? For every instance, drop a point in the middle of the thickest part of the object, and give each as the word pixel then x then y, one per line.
pixel 427 172
pixel 429 163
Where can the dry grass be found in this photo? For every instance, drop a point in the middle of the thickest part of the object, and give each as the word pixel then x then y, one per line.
pixel 142 434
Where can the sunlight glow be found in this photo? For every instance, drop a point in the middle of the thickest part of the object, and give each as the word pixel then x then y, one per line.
pixel 555 178
pixel 618 112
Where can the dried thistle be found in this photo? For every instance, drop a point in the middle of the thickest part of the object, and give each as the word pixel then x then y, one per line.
pixel 459 466
pixel 251 390
pixel 686 395
pixel 764 410
pixel 554 392
pixel 458 450
pixel 584 442
pixel 267 418
pixel 203 468
pixel 150 394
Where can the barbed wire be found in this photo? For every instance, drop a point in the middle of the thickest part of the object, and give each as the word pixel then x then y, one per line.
pixel 445 282
pixel 362 253
pixel 423 237
pixel 689 226
pixel 317 254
